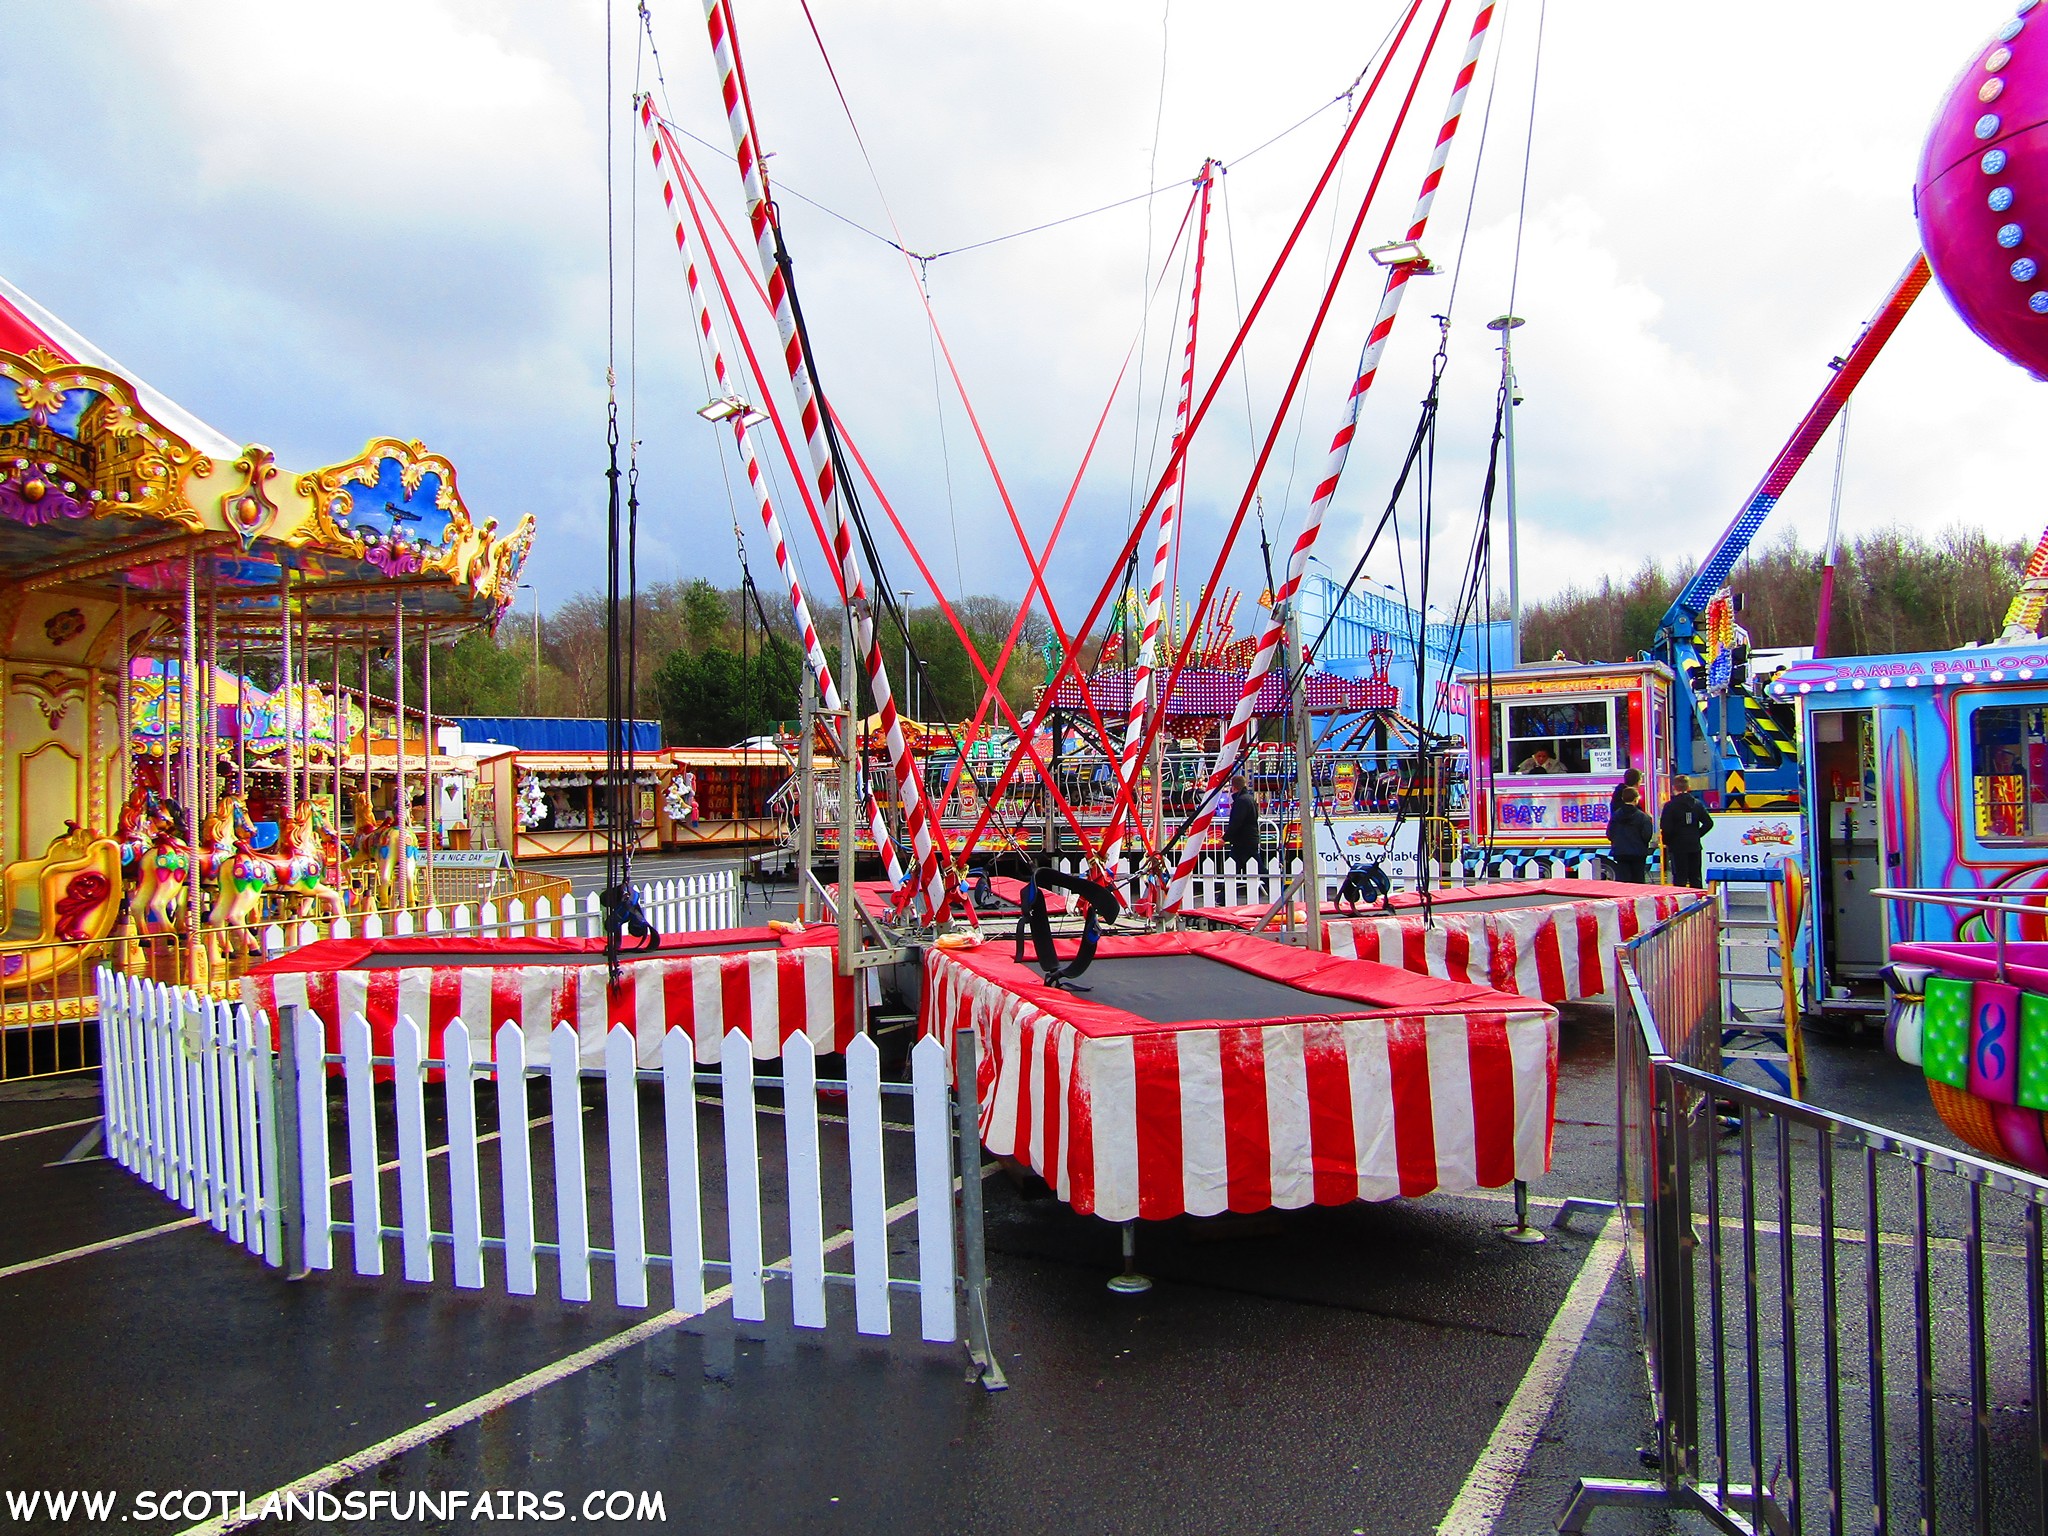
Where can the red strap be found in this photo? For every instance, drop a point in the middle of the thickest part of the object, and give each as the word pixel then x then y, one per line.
pixel 1293 383
pixel 1069 665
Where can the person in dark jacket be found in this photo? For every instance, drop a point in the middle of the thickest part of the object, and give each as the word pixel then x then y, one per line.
pixel 1630 833
pixel 1684 823
pixel 1241 832
pixel 1632 779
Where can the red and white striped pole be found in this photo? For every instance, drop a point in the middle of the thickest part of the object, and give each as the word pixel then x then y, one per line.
pixel 1274 629
pixel 814 650
pixel 1162 546
pixel 934 865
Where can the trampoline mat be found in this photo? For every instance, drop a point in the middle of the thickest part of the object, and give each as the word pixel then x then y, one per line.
pixel 412 959
pixel 1186 989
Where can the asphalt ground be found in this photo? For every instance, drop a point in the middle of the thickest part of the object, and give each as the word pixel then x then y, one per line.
pixel 1328 1370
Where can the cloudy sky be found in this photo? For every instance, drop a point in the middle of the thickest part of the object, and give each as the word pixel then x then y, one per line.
pixel 318 222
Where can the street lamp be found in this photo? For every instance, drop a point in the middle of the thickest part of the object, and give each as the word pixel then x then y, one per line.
pixel 1511 394
pixel 909 684
pixel 527 586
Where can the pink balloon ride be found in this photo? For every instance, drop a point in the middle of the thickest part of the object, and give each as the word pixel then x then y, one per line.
pixel 1982 194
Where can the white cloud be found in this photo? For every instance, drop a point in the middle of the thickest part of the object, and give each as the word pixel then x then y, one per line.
pixel 317 222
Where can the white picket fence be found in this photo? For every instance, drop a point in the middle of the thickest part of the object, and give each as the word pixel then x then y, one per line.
pixel 188 1089
pixel 1221 883
pixel 699 903
pixel 199 1105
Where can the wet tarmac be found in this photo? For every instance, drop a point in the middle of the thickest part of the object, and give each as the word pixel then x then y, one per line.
pixel 1327 1370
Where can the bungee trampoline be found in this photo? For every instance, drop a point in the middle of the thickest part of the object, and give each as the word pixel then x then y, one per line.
pixel 767 983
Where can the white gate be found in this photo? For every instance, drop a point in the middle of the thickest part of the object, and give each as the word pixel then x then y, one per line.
pixel 697 903
pixel 200 1105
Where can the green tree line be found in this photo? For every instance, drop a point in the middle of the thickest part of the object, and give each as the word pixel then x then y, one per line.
pixel 709 668
pixel 1895 590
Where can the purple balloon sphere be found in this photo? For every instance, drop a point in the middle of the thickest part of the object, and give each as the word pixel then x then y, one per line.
pixel 1982 194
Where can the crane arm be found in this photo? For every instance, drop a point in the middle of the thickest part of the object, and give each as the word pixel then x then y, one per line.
pixel 1729 548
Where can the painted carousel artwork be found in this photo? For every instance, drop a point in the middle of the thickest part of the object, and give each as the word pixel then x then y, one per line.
pixel 155 801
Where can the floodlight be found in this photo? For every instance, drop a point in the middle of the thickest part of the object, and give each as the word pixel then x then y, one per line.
pixel 728 406
pixel 1399 253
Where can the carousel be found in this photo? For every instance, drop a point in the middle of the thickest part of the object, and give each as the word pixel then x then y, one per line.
pixel 150 567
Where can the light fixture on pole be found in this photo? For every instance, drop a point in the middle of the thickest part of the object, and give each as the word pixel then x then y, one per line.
pixel 1511 392
pixel 725 407
pixel 527 586
pixel 1404 253
pixel 909 685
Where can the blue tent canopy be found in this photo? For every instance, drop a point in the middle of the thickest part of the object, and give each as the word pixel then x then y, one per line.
pixel 535 733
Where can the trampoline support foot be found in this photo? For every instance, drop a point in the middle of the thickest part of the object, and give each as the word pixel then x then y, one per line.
pixel 1130 1282
pixel 1521 1231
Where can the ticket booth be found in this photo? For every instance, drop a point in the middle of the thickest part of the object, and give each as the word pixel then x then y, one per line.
pixel 1550 743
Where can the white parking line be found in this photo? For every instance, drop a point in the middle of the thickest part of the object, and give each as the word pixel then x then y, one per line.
pixel 61 1125
pixel 513 1391
pixel 49 1259
pixel 1492 1478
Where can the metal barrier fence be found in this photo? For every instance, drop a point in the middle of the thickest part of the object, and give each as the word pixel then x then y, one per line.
pixel 1844 1326
pixel 245 1133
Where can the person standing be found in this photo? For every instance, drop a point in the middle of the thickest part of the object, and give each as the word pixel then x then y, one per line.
pixel 1632 779
pixel 1241 832
pixel 1630 834
pixel 1685 823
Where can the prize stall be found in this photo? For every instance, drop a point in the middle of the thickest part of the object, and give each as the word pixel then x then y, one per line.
pixel 721 796
pixel 550 786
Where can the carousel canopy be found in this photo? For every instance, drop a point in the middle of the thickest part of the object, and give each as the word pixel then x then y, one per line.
pixel 107 487
pixel 26 326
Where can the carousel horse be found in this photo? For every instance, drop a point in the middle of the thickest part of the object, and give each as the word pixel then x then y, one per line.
pixel 165 873
pixel 305 849
pixel 141 815
pixel 217 836
pixel 296 872
pixel 223 837
pixel 375 849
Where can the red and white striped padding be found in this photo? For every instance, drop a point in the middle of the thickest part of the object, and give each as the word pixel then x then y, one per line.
pixel 767 993
pixel 1561 954
pixel 1158 1121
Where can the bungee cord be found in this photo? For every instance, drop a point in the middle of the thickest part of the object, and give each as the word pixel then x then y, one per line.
pixel 619 902
pixel 1399 275
pixel 692 207
pixel 1344 97
pixel 1145 271
pixel 1200 413
pixel 1069 657
pixel 1234 731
